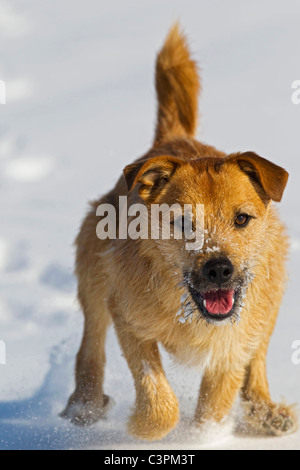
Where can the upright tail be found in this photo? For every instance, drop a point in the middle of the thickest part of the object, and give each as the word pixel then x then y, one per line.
pixel 177 88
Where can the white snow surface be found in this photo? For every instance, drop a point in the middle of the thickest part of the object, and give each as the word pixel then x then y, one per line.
pixel 80 106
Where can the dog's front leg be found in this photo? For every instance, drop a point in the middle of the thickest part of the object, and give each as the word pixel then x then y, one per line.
pixel 218 392
pixel 261 413
pixel 156 408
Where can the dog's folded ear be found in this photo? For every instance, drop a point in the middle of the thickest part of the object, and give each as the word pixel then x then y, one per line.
pixel 151 175
pixel 270 177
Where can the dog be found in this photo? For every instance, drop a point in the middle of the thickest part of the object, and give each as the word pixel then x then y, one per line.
pixel 214 306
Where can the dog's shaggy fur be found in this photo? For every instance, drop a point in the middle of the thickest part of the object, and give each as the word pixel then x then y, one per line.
pixel 140 285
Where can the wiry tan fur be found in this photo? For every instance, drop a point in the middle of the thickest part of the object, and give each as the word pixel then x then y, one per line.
pixel 138 284
pixel 177 87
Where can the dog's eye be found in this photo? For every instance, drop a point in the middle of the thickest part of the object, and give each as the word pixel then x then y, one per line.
pixel 242 220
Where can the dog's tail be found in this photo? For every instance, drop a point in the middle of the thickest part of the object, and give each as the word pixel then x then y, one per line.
pixel 177 88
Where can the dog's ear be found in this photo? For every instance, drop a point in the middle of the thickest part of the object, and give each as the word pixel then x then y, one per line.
pixel 270 177
pixel 151 175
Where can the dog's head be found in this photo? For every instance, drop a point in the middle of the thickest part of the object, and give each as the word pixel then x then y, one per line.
pixel 235 193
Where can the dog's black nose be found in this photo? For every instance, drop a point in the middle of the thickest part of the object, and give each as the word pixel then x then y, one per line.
pixel 218 271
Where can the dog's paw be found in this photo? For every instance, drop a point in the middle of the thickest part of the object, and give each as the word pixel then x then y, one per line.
pixel 85 414
pixel 154 421
pixel 270 418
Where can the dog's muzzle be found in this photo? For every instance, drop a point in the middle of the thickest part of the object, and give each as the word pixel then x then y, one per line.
pixel 213 290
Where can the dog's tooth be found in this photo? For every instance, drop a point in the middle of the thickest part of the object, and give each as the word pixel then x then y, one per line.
pixel 204 303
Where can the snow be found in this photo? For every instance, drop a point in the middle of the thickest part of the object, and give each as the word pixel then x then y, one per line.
pixel 80 106
pixel 186 312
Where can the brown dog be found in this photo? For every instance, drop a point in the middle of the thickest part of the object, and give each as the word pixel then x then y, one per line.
pixel 215 305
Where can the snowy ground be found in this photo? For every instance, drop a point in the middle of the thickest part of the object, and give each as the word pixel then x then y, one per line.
pixel 80 98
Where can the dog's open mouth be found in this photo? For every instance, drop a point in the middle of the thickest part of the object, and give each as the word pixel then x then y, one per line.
pixel 217 305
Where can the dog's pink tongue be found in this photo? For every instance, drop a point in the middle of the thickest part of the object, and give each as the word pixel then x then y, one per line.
pixel 219 302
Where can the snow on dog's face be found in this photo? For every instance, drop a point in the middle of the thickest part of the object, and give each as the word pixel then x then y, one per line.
pixel 235 193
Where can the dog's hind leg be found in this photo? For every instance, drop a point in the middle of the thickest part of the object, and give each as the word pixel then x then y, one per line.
pixel 88 403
